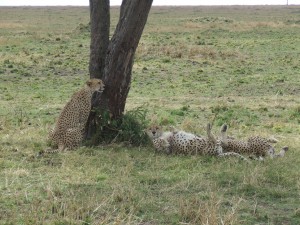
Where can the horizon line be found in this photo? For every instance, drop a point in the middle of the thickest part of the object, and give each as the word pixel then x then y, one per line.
pixel 159 5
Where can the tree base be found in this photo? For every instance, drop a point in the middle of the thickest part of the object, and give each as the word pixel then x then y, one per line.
pixel 128 129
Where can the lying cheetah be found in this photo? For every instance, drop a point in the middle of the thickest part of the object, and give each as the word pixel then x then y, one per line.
pixel 68 131
pixel 256 146
pixel 181 142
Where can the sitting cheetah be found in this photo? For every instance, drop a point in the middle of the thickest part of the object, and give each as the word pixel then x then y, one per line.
pixel 68 132
pixel 255 146
pixel 181 142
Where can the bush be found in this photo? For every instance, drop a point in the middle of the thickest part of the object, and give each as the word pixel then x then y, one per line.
pixel 128 129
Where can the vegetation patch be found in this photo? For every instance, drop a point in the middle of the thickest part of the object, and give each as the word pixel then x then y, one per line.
pixel 129 129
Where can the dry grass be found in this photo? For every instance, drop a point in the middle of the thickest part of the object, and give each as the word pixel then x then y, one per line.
pixel 195 211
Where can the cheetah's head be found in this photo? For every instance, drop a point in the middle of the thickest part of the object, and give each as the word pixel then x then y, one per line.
pixel 95 85
pixel 154 132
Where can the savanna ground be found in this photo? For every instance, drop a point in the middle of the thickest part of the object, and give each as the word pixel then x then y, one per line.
pixel 234 65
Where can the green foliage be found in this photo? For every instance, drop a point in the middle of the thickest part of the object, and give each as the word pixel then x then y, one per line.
pixel 132 128
pixel 180 112
pixel 128 129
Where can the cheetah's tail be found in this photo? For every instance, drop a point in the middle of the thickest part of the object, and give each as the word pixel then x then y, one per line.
pixel 47 151
pixel 230 154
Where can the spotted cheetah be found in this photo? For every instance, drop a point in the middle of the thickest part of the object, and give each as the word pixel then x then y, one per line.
pixel 181 142
pixel 68 131
pixel 256 146
pixel 161 140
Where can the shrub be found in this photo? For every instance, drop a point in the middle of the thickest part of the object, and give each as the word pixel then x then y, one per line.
pixel 128 129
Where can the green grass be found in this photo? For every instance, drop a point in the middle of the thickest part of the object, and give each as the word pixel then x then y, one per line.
pixel 234 65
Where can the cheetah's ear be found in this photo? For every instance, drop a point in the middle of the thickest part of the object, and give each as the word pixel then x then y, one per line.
pixel 88 83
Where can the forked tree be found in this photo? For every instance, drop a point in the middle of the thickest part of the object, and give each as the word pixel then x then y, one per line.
pixel 112 59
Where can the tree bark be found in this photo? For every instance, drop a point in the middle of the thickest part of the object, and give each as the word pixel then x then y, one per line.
pixel 100 24
pixel 121 50
pixel 113 64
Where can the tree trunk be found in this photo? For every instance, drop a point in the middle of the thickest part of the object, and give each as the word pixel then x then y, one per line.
pixel 100 24
pixel 116 72
pixel 121 50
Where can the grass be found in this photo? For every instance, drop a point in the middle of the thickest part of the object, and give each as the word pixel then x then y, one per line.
pixel 237 65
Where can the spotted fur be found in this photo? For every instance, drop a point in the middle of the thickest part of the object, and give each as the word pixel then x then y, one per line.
pixel 68 131
pixel 256 146
pixel 187 143
pixel 181 142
